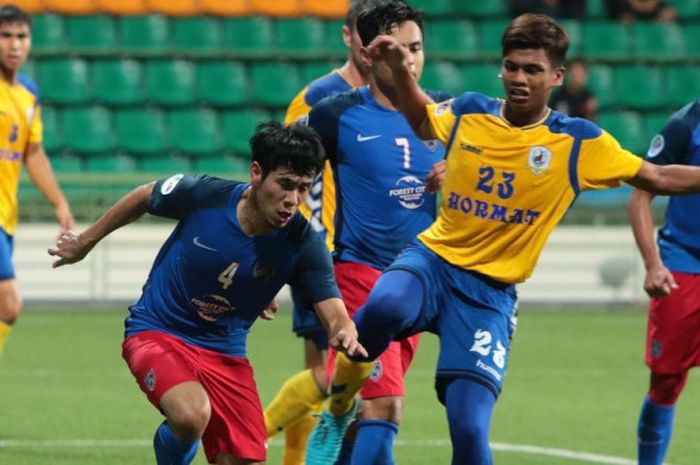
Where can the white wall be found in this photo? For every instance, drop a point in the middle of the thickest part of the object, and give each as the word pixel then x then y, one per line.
pixel 568 270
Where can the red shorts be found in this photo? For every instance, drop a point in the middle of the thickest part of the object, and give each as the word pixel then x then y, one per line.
pixel 673 331
pixel 355 281
pixel 160 361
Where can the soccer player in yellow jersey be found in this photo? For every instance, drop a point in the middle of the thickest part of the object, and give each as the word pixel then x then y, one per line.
pixel 514 167
pixel 20 143
pixel 304 392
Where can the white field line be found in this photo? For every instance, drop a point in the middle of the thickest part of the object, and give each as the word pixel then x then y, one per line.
pixel 496 446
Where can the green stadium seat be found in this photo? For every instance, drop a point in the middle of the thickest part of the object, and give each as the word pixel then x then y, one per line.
pixel 682 84
pixel 170 82
pixel 144 34
pixel 52 135
pixel 165 164
pixel 299 36
pixel 312 70
pixel 481 8
pixel 222 83
pixel 692 38
pixel 654 122
pixel 573 30
pixel 434 8
pixel 196 34
pixel 450 37
pixel 482 78
pixel 64 81
pixel 627 128
pixel 658 40
pixel 274 84
pixel 88 130
pixel 595 9
pixel 47 32
pixel 108 163
pixel 334 37
pixel 238 127
pixel 442 76
pixel 194 131
pixel 141 131
pixel 65 163
pixel 490 33
pixel 686 9
pixel 223 165
pixel 95 33
pixel 639 86
pixel 606 39
pixel 600 80
pixel 118 81
pixel 251 35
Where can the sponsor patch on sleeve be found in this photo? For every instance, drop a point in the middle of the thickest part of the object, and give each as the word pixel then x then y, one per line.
pixel 656 146
pixel 170 183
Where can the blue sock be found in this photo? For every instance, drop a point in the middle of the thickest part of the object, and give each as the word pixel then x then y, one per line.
pixel 345 456
pixel 654 432
pixel 469 408
pixel 170 450
pixel 374 442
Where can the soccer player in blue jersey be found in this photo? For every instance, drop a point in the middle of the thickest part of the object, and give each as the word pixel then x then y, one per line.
pixel 673 283
pixel 235 245
pixel 303 393
pixel 21 136
pixel 514 167
pixel 384 177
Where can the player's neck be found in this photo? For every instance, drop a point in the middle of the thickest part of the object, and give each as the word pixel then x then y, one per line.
pixel 520 119
pixel 248 213
pixel 8 75
pixel 383 95
pixel 352 75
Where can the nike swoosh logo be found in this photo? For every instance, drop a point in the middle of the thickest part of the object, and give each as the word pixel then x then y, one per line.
pixel 361 138
pixel 196 242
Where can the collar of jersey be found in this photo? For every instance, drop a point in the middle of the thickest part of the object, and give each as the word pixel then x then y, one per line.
pixel 502 116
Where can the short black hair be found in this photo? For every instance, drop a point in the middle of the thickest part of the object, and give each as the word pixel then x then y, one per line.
pixel 296 147
pixel 13 14
pixel 533 32
pixel 357 7
pixel 383 16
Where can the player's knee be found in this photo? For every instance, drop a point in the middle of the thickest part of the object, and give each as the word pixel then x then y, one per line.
pixel 467 429
pixel 189 420
pixel 387 306
pixel 666 388
pixel 383 408
pixel 10 307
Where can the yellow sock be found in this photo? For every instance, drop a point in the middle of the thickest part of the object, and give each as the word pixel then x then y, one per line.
pixel 347 382
pixel 4 332
pixel 297 396
pixel 296 436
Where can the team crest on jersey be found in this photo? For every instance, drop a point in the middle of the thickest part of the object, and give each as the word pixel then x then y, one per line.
pixel 409 191
pixel 263 271
pixel 432 145
pixel 30 113
pixel 539 159
pixel 212 307
pixel 150 380
pixel 170 183
pixel 376 371
pixel 657 145
pixel 442 107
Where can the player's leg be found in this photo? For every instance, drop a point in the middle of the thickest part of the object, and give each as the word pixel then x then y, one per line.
pixel 673 347
pixel 10 298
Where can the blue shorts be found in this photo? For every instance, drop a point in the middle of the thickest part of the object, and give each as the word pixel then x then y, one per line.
pixel 7 270
pixel 474 315
pixel 305 322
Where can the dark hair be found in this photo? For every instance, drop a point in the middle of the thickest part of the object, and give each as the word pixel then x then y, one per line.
pixel 296 147
pixel 531 31
pixel 13 14
pixel 357 7
pixel 382 17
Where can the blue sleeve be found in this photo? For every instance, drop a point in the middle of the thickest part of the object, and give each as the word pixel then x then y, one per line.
pixel 438 95
pixel 313 276
pixel 179 195
pixel 671 145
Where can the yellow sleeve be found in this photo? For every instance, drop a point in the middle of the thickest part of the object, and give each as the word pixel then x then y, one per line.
pixel 298 108
pixel 36 128
pixel 441 119
pixel 603 163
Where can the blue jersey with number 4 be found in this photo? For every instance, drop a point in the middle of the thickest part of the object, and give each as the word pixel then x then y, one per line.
pixel 210 280
pixel 379 168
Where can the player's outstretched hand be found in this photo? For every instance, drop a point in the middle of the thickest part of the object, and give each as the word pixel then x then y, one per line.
pixel 387 48
pixel 69 248
pixel 436 176
pixel 345 340
pixel 270 311
pixel 659 282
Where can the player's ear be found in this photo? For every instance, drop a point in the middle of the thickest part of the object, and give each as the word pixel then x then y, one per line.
pixel 559 76
pixel 256 173
pixel 365 58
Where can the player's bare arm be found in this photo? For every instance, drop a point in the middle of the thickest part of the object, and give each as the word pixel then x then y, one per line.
pixel 412 99
pixel 41 174
pixel 658 281
pixel 72 247
pixel 341 329
pixel 668 179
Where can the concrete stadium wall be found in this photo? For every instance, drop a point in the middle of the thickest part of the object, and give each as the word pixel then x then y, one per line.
pixel 569 269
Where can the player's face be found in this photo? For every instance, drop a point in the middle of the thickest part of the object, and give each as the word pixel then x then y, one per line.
pixel 528 79
pixel 354 43
pixel 15 42
pixel 410 37
pixel 280 194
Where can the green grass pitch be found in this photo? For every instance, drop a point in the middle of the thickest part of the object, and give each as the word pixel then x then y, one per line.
pixel 575 383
